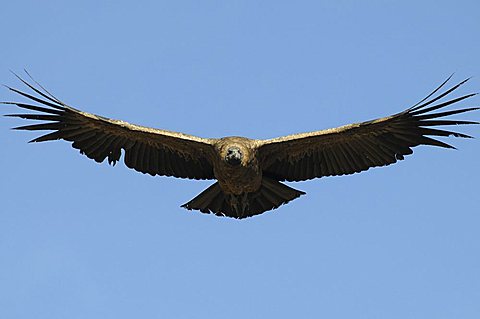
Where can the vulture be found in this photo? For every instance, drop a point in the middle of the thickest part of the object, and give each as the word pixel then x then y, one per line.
pixel 248 172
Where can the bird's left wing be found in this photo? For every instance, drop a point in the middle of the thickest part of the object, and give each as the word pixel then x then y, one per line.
pixel 357 147
pixel 147 150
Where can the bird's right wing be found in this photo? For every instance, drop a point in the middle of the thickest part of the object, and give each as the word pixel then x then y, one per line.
pixel 147 150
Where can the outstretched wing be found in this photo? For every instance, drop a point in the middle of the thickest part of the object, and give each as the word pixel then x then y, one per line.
pixel 357 147
pixel 147 150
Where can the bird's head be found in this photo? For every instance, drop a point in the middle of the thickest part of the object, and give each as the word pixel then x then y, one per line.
pixel 234 156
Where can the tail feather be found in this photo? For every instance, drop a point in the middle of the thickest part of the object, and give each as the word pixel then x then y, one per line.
pixel 205 199
pixel 271 195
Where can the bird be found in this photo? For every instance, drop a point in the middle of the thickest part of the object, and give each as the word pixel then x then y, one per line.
pixel 249 173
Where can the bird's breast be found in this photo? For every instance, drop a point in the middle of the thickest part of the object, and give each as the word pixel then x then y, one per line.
pixel 238 179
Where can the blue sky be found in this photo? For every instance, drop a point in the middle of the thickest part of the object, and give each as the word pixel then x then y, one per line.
pixel 82 240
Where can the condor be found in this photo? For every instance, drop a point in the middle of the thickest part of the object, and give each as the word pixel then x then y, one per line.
pixel 248 172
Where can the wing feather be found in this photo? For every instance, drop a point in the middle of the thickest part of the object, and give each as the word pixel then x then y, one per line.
pixel 357 147
pixel 147 150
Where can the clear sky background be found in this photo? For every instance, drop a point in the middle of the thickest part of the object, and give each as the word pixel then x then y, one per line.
pixel 82 240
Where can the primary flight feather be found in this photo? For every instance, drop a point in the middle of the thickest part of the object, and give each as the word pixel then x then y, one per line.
pixel 248 172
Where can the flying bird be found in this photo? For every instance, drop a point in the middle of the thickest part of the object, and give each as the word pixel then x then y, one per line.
pixel 248 172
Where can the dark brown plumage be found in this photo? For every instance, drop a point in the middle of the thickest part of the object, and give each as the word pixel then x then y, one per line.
pixel 248 172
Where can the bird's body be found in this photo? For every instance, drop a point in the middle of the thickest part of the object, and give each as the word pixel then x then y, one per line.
pixel 248 172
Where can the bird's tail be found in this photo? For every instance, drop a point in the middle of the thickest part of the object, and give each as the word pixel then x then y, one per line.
pixel 271 195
